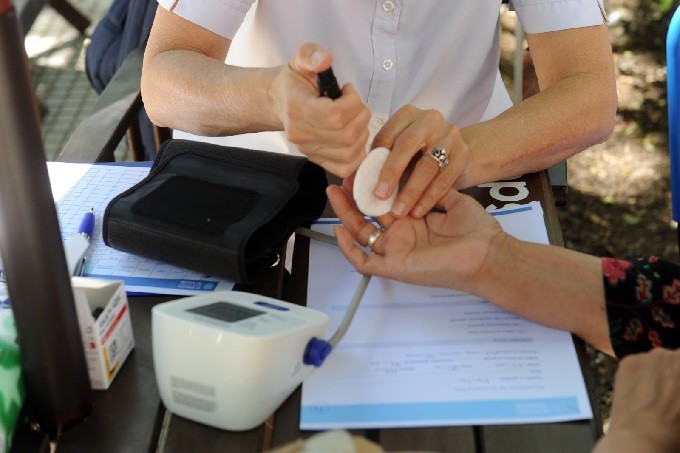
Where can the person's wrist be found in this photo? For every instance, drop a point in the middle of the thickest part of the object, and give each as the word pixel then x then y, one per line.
pixel 496 262
pixel 276 99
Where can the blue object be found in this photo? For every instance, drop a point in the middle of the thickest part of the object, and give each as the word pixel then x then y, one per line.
pixel 316 352
pixel 86 227
pixel 673 80
pixel 270 305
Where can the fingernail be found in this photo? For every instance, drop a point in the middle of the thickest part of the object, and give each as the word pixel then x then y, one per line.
pixel 381 190
pixel 398 209
pixel 418 212
pixel 318 56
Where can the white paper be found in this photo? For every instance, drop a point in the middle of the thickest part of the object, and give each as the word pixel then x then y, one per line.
pixel 417 356
pixel 79 187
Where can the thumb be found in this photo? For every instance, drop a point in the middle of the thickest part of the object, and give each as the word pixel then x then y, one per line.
pixel 310 58
pixel 451 198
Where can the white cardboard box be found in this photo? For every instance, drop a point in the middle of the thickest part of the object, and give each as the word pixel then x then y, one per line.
pixel 108 339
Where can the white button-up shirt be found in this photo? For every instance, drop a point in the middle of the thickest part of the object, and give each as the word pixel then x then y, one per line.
pixel 434 54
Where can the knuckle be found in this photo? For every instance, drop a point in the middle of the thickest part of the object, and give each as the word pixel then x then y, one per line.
pixel 350 136
pixel 409 109
pixel 629 363
pixel 434 116
pixel 335 120
pixel 342 171
pixel 408 140
pixel 295 134
pixel 347 155
pixel 382 139
pixel 454 133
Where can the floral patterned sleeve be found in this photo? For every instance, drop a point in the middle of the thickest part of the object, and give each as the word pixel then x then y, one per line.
pixel 643 304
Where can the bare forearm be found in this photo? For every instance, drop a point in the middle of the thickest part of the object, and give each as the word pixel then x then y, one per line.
pixel 574 110
pixel 186 90
pixel 549 285
pixel 565 118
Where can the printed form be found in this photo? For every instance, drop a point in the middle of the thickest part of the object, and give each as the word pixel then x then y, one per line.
pixel 79 187
pixel 417 356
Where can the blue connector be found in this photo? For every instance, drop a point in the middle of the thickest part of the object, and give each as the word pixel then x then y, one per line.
pixel 316 352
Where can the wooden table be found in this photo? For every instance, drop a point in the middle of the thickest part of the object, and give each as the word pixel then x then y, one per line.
pixel 129 417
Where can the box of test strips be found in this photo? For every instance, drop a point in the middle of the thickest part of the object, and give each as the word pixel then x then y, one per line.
pixel 105 325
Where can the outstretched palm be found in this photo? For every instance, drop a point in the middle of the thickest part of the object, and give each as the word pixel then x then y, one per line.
pixel 441 249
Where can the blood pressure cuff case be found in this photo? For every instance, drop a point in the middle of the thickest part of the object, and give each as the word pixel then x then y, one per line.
pixel 217 210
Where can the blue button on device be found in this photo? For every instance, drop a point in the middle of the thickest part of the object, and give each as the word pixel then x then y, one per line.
pixel 270 305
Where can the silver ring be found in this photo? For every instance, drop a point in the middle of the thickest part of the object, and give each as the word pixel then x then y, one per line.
pixel 439 156
pixel 373 238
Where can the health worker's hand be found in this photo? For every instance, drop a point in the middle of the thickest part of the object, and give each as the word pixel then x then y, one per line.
pixel 441 249
pixel 331 133
pixel 410 134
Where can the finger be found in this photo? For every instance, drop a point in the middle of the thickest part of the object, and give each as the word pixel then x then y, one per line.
pixel 458 160
pixel 339 200
pixel 394 126
pixel 403 136
pixel 365 263
pixel 450 199
pixel 628 370
pixel 344 163
pixel 352 219
pixel 349 215
pixel 354 254
pixel 426 170
pixel 337 114
pixel 309 59
pixel 385 221
pixel 338 151
pixel 348 184
pixel 445 179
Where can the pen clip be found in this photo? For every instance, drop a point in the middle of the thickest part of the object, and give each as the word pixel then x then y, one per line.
pixel 80 269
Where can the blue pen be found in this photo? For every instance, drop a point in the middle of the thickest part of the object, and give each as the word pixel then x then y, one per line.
pixel 86 227
pixel 76 246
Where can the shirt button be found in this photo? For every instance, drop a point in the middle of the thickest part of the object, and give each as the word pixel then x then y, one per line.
pixel 377 123
pixel 388 6
pixel 387 64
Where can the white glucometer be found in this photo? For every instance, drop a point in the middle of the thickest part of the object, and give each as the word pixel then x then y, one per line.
pixel 229 359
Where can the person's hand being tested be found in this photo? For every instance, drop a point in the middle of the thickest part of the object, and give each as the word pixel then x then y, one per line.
pixel 331 133
pixel 418 250
pixel 464 248
pixel 436 150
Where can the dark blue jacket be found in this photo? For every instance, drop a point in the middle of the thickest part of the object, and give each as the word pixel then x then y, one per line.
pixel 125 27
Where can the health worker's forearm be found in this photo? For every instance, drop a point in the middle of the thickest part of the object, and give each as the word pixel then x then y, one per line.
pixel 567 117
pixel 189 91
pixel 575 108
pixel 186 85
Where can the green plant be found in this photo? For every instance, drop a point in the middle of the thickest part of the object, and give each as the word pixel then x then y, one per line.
pixel 665 5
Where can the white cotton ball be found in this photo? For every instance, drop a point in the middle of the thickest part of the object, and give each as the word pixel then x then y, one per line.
pixel 365 181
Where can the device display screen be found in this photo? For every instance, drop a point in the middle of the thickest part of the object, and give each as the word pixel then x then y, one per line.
pixel 225 311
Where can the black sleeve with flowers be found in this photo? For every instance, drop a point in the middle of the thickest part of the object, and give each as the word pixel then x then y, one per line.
pixel 643 304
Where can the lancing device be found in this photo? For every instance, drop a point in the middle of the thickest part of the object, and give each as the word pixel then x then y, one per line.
pixel 328 84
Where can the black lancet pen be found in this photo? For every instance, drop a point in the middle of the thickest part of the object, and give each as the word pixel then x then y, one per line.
pixel 328 84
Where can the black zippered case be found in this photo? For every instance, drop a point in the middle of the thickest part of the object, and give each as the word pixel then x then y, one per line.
pixel 221 211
